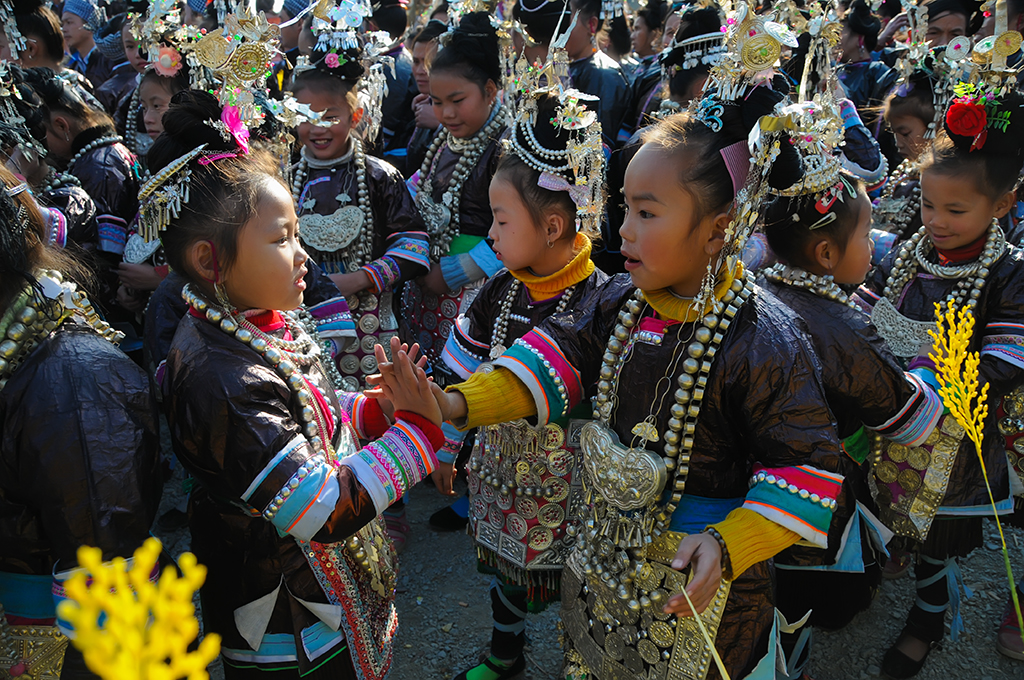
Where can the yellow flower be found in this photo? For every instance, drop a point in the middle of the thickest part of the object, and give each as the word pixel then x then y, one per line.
pixel 957 373
pixel 130 628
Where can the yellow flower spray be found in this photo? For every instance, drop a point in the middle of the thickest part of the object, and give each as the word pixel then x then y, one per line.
pixel 957 373
pixel 146 627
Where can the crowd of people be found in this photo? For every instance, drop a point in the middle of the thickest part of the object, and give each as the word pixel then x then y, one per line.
pixel 658 281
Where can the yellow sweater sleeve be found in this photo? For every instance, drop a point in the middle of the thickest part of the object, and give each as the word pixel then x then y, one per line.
pixel 751 538
pixel 494 397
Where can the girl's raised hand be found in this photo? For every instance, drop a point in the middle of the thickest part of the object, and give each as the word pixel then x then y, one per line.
pixel 406 385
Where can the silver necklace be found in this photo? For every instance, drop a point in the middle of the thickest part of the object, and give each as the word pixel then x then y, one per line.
pixel 505 312
pixel 284 362
pixel 914 254
pixel 95 144
pixel 358 252
pixel 822 286
pixel 442 220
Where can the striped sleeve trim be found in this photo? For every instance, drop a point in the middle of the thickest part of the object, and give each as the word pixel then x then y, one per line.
pixel 392 464
pixel 113 233
pixel 296 491
pixel 542 367
pixel 918 417
pixel 462 353
pixel 333 319
pixel 452 444
pixel 801 498
pixel 412 246
pixel 1004 341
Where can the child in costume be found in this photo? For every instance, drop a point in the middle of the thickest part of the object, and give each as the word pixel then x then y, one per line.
pixel 285 514
pixel 357 219
pixel 451 185
pixel 934 494
pixel 79 441
pixel 708 407
pixel 820 231
pixel 525 484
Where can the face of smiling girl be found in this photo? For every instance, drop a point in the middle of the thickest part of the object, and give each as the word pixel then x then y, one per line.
pixel 460 104
pixel 328 141
pixel 954 212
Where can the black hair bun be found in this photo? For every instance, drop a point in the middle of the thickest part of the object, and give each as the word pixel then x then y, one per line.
pixel 475 41
pixel 969 123
pixel 540 17
pixel 47 85
pixel 26 6
pixel 546 131
pixel 761 101
pixel 863 22
pixel 349 65
pixel 186 126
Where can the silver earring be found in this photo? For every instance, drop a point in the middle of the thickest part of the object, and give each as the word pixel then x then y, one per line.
pixel 220 292
pixel 550 244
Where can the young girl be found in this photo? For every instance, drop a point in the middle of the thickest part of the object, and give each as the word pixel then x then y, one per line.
pixel 57 494
pixel 83 139
pixel 357 219
pixel 451 186
pixel 301 573
pixel 820 231
pixel 934 495
pixel 707 404
pixel 536 236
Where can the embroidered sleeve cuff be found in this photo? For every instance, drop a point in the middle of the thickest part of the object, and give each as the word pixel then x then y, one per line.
pixel 481 406
pixel 296 491
pixel 412 246
pixel 452 444
pixel 459 271
pixel 462 354
pixel 751 538
pixel 801 498
pixel 391 465
pixel 384 273
pixel 334 320
pixel 542 367
pixel 365 414
pixel 1004 341
pixel 57 227
pixel 484 257
pixel 432 432
pixel 919 416
pixel 113 233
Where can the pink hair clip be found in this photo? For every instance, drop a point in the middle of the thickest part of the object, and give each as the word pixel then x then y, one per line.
pixel 206 160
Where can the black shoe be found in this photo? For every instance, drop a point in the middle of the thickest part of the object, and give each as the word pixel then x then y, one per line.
pixel 898 666
pixel 503 673
pixel 447 519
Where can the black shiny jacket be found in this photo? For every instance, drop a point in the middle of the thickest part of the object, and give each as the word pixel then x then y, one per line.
pixel 108 174
pixel 79 450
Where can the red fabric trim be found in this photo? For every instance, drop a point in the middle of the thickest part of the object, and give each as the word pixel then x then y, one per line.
pixel 966 253
pixel 432 432
pixel 375 423
pixel 162 271
pixel 268 321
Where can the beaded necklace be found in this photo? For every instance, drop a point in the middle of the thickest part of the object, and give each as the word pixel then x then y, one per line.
pixel 612 544
pixel 914 254
pixel 894 214
pixel 505 312
pixel 131 123
pixel 31 319
pixel 822 286
pixel 95 144
pixel 357 253
pixel 284 356
pixel 442 220
pixel 55 180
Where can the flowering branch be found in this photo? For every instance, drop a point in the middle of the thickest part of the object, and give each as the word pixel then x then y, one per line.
pixel 957 373
pixel 129 628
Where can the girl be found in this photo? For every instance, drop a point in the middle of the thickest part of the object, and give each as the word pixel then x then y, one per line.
pixel 866 81
pixel 83 139
pixel 737 408
pixel 356 217
pixel 72 410
pixel 934 495
pixel 424 49
pixel 301 573
pixel 645 84
pixel 451 185
pixel 820 233
pixel 536 237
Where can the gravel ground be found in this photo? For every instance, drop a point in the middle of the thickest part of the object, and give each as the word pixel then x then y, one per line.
pixel 445 618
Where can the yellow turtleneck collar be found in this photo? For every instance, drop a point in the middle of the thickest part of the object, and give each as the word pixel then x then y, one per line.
pixel 547 287
pixel 674 308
